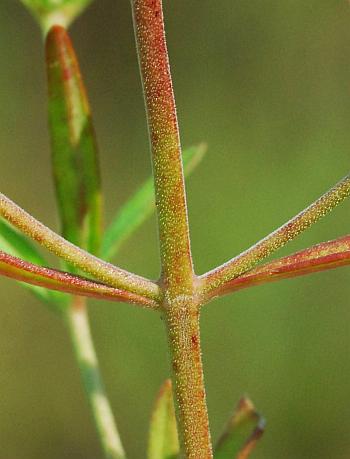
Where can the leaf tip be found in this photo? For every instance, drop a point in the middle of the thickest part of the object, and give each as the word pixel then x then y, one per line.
pixel 242 432
pixel 163 440
pixel 57 39
pixel 164 392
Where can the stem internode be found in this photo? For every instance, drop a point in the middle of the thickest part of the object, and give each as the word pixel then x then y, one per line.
pixel 182 321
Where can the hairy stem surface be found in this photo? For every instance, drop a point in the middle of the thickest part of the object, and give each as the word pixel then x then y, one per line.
pixel 177 278
pixel 183 331
pixel 177 271
pixel 78 325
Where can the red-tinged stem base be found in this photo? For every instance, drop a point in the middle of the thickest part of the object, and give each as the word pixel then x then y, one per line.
pixel 182 320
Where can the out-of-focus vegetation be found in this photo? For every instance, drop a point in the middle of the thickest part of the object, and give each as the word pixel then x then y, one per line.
pixel 267 86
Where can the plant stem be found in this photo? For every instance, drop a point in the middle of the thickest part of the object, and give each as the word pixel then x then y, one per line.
pixel 105 272
pixel 181 310
pixel 239 265
pixel 184 342
pixel 79 329
pixel 176 260
pixel 140 206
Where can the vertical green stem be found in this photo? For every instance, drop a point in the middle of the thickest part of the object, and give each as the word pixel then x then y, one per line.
pixel 177 270
pixel 78 325
pixel 186 360
pixel 181 310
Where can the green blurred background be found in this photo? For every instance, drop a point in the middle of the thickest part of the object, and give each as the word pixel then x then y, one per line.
pixel 267 86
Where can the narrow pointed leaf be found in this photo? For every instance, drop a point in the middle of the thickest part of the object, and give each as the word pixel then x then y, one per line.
pixel 140 206
pixel 55 12
pixel 320 257
pixel 16 244
pixel 104 272
pixel 74 151
pixel 248 259
pixel 163 440
pixel 24 271
pixel 242 432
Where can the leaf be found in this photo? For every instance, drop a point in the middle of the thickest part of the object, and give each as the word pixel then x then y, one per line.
pixel 75 256
pixel 320 257
pixel 74 151
pixel 140 206
pixel 163 439
pixel 242 432
pixel 247 260
pixel 23 271
pixel 55 12
pixel 17 245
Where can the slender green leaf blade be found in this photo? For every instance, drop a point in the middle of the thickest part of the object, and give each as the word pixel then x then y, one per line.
pixel 74 151
pixel 163 440
pixel 140 206
pixel 241 433
pixel 14 243
pixel 55 12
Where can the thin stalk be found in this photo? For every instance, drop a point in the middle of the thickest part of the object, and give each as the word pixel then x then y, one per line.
pixel 190 400
pixel 181 310
pixel 239 265
pixel 79 329
pixel 105 272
